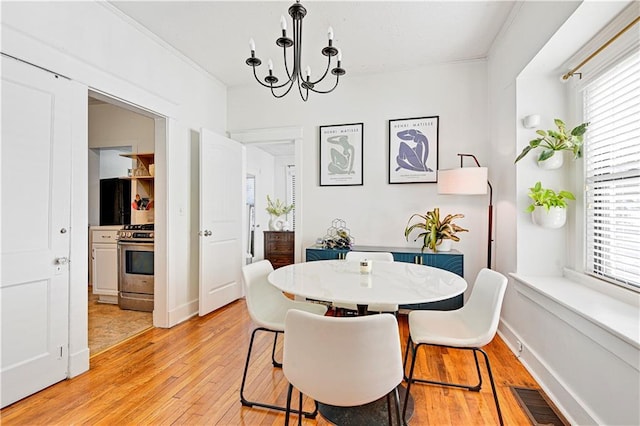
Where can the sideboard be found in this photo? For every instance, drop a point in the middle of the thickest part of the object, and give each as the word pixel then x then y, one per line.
pixel 452 261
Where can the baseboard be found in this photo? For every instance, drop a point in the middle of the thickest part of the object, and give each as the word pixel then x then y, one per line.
pixel 78 362
pixel 183 313
pixel 560 394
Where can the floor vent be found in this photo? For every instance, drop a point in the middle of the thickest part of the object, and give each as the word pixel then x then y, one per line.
pixel 538 407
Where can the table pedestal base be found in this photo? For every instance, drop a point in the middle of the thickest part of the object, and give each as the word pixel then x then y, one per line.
pixel 372 414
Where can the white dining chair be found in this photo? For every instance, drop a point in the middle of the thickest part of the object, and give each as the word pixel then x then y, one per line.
pixel 469 328
pixel 376 256
pixel 267 307
pixel 342 361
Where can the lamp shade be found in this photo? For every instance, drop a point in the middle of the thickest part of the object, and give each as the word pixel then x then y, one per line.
pixel 464 180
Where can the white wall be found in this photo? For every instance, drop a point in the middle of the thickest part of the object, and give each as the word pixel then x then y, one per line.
pixel 377 212
pixel 586 371
pixel 95 45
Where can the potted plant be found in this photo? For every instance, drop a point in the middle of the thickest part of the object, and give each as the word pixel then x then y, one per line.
pixel 436 231
pixel 276 209
pixel 553 141
pixel 548 209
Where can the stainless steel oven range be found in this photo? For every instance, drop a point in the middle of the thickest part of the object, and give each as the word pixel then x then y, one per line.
pixel 135 267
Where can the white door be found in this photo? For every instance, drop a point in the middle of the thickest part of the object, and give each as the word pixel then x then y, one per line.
pixel 221 210
pixel 36 183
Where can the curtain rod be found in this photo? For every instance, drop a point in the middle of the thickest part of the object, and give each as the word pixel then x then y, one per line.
pixel 600 49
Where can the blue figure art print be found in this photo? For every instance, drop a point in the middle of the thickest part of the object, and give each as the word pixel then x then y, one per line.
pixel 413 150
pixel 413 155
pixel 341 154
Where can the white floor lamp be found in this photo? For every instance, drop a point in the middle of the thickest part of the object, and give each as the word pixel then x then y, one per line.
pixel 469 181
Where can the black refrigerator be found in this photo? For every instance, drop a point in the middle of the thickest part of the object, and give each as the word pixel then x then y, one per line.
pixel 115 201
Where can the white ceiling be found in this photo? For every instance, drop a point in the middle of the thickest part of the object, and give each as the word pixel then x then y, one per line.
pixel 374 36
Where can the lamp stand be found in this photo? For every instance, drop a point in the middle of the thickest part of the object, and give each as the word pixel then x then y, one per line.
pixel 490 213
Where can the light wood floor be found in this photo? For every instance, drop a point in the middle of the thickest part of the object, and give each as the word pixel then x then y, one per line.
pixel 191 374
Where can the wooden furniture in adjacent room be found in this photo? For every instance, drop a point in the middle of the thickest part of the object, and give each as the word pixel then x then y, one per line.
pixel 278 247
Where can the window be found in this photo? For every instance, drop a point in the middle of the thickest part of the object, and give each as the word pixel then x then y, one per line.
pixel 291 191
pixel 612 174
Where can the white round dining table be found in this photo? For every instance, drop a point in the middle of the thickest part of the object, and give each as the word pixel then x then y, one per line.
pixel 341 281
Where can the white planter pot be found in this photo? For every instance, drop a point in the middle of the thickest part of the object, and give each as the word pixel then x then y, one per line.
pixel 553 218
pixel 445 245
pixel 554 162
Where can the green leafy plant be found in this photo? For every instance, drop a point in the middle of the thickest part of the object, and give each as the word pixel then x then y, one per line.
pixel 547 198
pixel 559 140
pixel 277 207
pixel 435 230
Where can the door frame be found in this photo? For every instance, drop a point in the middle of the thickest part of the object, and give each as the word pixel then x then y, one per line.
pixel 161 305
pixel 281 134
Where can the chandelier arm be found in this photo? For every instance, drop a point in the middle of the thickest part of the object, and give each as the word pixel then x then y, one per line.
pixel 326 71
pixel 286 64
pixel 297 49
pixel 300 91
pixel 268 85
pixel 283 94
pixel 324 92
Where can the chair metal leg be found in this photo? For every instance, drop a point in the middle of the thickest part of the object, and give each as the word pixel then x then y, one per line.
pixel 288 408
pixel 396 398
pixel 493 386
pixel 406 355
pixel 474 388
pixel 409 381
pixel 245 402
pixel 273 351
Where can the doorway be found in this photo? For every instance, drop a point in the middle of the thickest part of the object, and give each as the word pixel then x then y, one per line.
pixel 118 136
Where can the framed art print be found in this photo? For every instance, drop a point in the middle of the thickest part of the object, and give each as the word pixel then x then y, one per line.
pixel 341 154
pixel 413 150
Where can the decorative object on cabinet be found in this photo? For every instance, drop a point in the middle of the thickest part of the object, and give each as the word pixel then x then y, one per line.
pixel 436 230
pixel 297 13
pixel 469 181
pixel 276 209
pixel 452 261
pixel 341 154
pixel 278 247
pixel 553 141
pixel 413 150
pixel 338 236
pixel 548 209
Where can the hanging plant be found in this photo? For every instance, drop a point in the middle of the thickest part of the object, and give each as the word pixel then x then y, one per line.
pixel 553 141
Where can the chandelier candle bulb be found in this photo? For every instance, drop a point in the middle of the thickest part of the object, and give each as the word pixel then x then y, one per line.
pixel 270 65
pixel 339 56
pixel 283 23
pixel 308 72
pixel 252 45
pixel 330 33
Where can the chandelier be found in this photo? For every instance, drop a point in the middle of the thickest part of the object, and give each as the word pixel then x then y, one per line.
pixel 294 75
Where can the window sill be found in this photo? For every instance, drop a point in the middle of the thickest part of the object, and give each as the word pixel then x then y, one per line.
pixel 610 319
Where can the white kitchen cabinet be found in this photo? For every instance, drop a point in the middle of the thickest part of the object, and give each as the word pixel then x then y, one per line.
pixel 104 262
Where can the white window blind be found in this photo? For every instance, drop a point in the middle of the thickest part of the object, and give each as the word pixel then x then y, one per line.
pixel 291 191
pixel 612 167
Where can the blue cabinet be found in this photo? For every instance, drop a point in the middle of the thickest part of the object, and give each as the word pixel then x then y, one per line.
pixel 452 261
